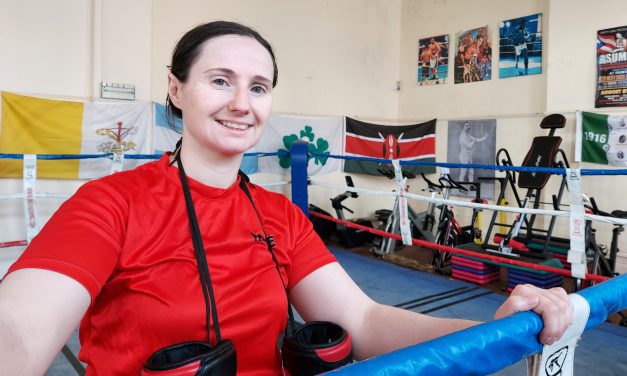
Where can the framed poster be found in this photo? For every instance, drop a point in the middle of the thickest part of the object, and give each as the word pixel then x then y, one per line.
pixel 520 46
pixel 473 59
pixel 611 88
pixel 433 60
pixel 472 142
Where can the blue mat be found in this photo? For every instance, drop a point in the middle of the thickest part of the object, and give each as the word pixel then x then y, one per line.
pixel 602 350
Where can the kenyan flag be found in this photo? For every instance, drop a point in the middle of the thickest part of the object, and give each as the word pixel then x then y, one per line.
pixel 414 142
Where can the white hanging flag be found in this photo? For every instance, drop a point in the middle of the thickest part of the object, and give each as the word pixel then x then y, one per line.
pixel 323 134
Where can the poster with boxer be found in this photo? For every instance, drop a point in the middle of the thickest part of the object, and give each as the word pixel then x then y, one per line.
pixel 433 60
pixel 520 46
pixel 473 58
pixel 472 142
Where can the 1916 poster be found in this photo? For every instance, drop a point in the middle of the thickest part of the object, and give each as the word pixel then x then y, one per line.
pixel 611 67
pixel 433 60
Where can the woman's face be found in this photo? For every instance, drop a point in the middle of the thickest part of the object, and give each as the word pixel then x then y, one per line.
pixel 227 97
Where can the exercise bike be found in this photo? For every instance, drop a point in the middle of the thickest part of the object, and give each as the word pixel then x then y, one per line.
pixel 421 224
pixel 347 236
pixel 449 231
pixel 601 260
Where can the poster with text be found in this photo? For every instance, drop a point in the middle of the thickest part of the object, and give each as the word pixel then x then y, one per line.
pixel 472 142
pixel 433 60
pixel 473 58
pixel 520 46
pixel 611 67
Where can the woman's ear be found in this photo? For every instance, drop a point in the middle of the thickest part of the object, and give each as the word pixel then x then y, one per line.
pixel 174 89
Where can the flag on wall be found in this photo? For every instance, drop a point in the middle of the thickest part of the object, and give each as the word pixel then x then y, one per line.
pixel 414 142
pixel 108 125
pixel 43 126
pixel 323 134
pixel 164 138
pixel 601 139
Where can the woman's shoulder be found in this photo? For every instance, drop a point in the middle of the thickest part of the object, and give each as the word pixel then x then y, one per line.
pixel 137 180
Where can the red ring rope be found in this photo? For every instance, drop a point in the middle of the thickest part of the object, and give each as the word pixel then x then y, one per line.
pixel 457 251
pixel 14 243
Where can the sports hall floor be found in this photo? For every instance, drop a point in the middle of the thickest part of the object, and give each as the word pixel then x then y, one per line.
pixel 602 350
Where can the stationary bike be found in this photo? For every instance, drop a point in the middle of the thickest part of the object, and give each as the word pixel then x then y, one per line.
pixel 347 236
pixel 421 224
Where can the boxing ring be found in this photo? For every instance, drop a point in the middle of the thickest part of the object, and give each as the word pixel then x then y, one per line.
pixel 482 349
pixel 488 347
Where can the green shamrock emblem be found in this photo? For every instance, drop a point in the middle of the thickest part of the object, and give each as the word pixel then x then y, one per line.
pixel 319 146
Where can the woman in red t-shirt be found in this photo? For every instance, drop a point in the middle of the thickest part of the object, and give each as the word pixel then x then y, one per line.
pixel 109 262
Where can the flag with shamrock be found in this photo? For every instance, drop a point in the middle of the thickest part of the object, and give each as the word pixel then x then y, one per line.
pixel 324 135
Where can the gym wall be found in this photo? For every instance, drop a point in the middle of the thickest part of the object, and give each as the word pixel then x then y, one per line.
pixel 340 57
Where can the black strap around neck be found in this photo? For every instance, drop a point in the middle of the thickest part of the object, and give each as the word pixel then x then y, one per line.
pixel 290 315
pixel 201 259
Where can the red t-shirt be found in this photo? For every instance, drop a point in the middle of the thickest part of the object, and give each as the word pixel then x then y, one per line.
pixel 126 238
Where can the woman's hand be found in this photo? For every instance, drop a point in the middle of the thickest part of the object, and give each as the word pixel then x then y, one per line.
pixel 553 305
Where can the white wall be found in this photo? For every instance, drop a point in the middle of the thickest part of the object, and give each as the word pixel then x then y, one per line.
pixel 571 85
pixel 335 57
pixel 426 18
pixel 339 57
pixel 45 47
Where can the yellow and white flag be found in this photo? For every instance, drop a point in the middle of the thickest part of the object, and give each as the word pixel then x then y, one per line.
pixel 44 126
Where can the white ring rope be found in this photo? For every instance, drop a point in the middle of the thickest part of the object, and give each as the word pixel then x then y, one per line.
pixel 12 196
pixel 556 213
pixel 274 184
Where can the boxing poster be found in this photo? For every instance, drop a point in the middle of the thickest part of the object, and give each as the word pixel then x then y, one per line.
pixel 520 46
pixel 414 142
pixel 601 139
pixel 611 67
pixel 433 60
pixel 472 142
pixel 473 59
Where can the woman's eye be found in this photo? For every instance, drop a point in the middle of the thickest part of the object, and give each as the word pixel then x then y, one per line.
pixel 258 89
pixel 220 82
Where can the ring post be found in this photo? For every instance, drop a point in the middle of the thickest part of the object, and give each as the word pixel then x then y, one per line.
pixel 489 347
pixel 298 154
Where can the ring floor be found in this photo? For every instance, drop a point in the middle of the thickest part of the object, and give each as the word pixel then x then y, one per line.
pixel 602 350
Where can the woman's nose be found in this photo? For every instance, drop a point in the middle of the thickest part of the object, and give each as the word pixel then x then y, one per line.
pixel 240 102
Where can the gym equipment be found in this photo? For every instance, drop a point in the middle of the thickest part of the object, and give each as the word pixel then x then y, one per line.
pixel 601 260
pixel 347 236
pixel 543 153
pixel 421 224
pixel 450 232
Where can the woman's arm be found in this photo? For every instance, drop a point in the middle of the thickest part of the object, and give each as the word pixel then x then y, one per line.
pixel 330 294
pixel 39 310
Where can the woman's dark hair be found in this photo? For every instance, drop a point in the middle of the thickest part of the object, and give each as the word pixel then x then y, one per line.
pixel 187 51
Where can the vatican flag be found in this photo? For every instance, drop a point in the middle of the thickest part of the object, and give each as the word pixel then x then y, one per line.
pixel 33 125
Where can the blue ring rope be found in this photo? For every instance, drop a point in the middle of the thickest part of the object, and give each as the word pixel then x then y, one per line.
pixel 109 155
pixel 489 347
pixel 549 170
pixel 556 171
